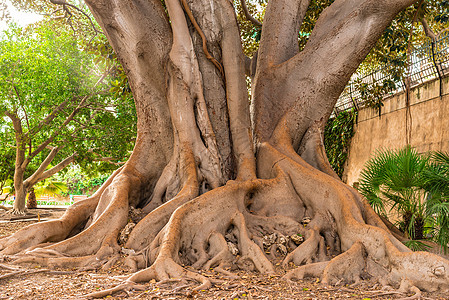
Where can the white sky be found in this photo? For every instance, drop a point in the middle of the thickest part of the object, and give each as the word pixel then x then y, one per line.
pixel 20 17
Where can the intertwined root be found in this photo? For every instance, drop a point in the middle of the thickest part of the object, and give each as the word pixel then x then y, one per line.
pixel 228 227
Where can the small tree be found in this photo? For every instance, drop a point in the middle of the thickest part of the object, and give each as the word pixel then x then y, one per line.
pixel 58 105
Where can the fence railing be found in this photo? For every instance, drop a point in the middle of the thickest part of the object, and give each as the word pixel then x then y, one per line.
pixel 428 62
pixel 46 200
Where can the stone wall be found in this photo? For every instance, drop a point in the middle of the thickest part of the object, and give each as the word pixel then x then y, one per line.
pixel 429 126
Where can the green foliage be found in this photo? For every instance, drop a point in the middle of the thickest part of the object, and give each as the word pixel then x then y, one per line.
pixel 45 66
pixel 337 138
pixel 50 186
pixel 250 33
pixel 396 178
pixel 80 182
pixel 436 182
pixel 416 245
pixel 7 158
pixel 416 186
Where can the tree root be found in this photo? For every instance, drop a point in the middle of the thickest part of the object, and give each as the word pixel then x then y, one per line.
pixel 13 212
pixel 198 230
pixel 305 252
pixel 309 270
pixel 31 272
pixel 124 287
pixel 54 230
pixel 4 208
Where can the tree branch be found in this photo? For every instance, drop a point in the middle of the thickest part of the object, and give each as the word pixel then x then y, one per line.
pixel 44 144
pixel 64 6
pixel 24 111
pixel 32 179
pixel 29 182
pixel 427 30
pixel 47 119
pixel 248 16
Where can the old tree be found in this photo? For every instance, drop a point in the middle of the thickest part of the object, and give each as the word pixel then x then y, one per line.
pixel 211 168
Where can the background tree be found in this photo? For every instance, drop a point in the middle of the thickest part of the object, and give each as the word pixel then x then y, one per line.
pixel 6 159
pixel 194 174
pixel 55 108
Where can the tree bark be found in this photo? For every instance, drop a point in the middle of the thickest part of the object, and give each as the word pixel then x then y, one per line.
pixel 32 201
pixel 203 191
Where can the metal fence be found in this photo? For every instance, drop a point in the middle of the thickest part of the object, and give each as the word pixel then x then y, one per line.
pixel 429 62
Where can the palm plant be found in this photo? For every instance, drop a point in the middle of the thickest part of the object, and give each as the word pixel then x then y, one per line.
pixel 396 178
pixel 50 187
pixel 436 182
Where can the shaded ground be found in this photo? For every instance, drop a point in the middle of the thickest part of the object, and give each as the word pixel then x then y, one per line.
pixel 38 214
pixel 39 283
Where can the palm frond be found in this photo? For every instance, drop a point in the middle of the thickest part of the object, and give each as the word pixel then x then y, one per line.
pixel 50 188
pixel 415 245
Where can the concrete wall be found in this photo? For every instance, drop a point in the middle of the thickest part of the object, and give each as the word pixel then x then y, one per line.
pixel 429 130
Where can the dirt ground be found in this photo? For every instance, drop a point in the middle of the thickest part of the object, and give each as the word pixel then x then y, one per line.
pixel 19 282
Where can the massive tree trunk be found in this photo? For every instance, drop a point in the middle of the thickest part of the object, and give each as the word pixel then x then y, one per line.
pixel 207 181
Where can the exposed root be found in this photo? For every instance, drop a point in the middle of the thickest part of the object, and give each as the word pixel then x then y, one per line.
pixel 13 212
pixel 4 208
pixel 54 230
pixel 310 270
pixel 305 252
pixel 417 294
pixel 30 272
pixel 124 287
pixel 166 269
pixel 218 250
pixel 348 266
pixel 249 248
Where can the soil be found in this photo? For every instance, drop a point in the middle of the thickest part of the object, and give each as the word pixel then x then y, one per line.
pixel 40 283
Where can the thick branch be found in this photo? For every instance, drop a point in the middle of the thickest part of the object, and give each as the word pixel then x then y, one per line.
pixel 237 97
pixel 44 144
pixel 344 34
pixel 35 178
pixel 280 30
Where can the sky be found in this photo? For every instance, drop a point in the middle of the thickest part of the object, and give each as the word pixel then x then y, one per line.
pixel 20 17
